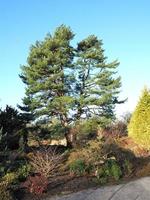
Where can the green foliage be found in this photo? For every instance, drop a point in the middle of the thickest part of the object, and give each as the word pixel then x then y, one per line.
pixel 124 157
pixel 23 171
pixel 11 122
pixel 56 130
pixel 4 192
pixel 67 83
pixel 17 174
pixel 10 177
pixel 48 75
pixel 86 129
pixel 13 169
pixel 103 158
pixel 96 87
pixel 90 154
pixel 78 167
pixel 139 126
pixel 128 166
pixel 110 169
pixel 86 158
pixel 115 170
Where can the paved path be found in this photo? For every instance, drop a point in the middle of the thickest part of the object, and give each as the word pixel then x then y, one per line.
pixel 135 190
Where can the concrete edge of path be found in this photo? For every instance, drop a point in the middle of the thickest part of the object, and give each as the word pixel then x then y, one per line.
pixel 134 190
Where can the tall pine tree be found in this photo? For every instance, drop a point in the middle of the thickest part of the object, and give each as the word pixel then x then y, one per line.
pixel 48 76
pixel 97 86
pixel 69 84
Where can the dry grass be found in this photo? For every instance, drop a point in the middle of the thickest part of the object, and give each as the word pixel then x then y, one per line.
pixel 144 170
pixel 129 144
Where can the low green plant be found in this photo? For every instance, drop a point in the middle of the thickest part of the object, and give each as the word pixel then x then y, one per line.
pixel 110 169
pixel 5 194
pixel 78 167
pixel 88 157
pixel 128 166
pixel 19 174
pixel 115 170
pixel 24 171
pixel 10 178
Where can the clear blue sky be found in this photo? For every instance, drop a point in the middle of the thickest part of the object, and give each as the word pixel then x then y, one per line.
pixel 124 27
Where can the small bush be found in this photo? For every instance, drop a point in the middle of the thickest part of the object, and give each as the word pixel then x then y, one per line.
pixel 24 171
pixel 11 122
pixel 115 170
pixel 103 158
pixel 45 161
pixel 128 166
pixel 36 184
pixel 86 130
pixel 78 167
pixel 110 169
pixel 5 194
pixel 124 157
pixel 10 178
pixel 91 155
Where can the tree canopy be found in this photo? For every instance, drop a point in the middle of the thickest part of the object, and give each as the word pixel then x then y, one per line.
pixel 70 83
pixel 11 124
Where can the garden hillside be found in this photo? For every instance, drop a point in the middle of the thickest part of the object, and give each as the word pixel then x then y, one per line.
pixel 65 136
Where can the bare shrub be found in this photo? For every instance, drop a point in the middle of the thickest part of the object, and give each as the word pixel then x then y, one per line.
pixel 115 130
pixel 46 161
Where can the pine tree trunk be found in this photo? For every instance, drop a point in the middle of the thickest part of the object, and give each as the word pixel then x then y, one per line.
pixel 68 139
pixel 71 138
pixel 25 140
pixel 70 134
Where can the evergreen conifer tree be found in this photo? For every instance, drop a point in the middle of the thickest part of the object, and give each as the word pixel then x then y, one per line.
pixel 48 86
pixel 48 76
pixel 97 87
pixel 139 126
pixel 67 83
